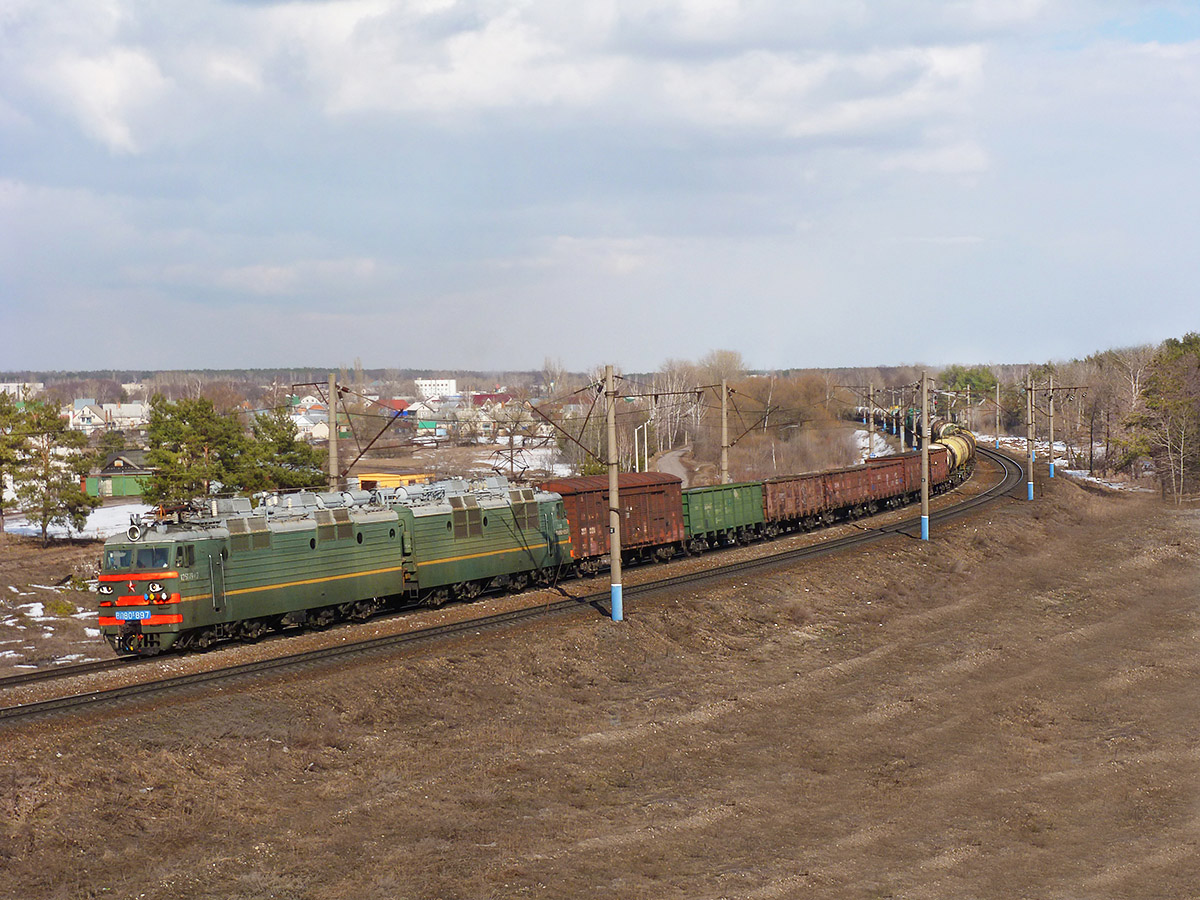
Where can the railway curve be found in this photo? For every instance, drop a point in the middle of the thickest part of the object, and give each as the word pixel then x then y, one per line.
pixel 1008 485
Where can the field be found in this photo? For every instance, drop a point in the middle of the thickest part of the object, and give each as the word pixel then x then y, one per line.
pixel 1006 711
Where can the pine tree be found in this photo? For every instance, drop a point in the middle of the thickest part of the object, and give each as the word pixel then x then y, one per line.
pixel 12 442
pixel 49 468
pixel 1168 428
pixel 277 459
pixel 193 451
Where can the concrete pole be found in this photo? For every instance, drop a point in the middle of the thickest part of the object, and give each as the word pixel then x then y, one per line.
pixel 924 457
pixel 968 407
pixel 997 415
pixel 1051 426
pixel 724 432
pixel 902 417
pixel 871 419
pixel 614 499
pixel 1029 429
pixel 333 448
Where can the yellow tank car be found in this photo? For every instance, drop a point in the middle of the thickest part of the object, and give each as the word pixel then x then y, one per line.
pixel 962 448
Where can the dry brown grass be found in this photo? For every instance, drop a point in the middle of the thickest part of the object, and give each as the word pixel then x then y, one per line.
pixel 942 719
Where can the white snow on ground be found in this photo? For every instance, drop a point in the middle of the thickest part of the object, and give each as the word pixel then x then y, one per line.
pixel 1018 447
pixel 537 458
pixel 880 447
pixel 34 611
pixel 103 522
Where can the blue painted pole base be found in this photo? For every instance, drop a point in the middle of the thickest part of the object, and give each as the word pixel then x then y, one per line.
pixel 997 443
pixel 1051 470
pixel 617 612
pixel 1030 483
pixel 924 528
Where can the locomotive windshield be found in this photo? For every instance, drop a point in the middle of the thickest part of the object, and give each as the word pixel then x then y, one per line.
pixel 139 557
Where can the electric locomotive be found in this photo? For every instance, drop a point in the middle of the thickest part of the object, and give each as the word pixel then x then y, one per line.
pixel 220 569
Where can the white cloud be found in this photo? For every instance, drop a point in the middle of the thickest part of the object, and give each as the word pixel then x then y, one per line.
pixel 455 158
pixel 608 256
pixel 961 157
pixel 108 93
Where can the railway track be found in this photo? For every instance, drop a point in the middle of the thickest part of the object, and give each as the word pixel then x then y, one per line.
pixel 1013 478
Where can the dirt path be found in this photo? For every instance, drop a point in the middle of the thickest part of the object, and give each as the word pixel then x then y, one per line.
pixel 1006 711
pixel 671 463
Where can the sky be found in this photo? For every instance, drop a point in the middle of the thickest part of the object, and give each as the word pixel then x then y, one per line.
pixel 487 185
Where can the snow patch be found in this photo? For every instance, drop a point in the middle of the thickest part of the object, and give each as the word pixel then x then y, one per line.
pixel 102 523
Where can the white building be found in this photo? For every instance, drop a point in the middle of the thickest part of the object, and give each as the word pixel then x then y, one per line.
pixel 436 387
pixel 121 416
pixel 22 390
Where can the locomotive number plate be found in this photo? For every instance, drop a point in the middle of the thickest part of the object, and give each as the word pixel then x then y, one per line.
pixel 133 613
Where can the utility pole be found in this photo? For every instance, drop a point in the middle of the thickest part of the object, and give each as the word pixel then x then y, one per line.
pixel 871 417
pixel 724 432
pixel 614 500
pixel 334 474
pixel 997 415
pixel 644 428
pixel 924 457
pixel 1029 427
pixel 901 418
pixel 1051 426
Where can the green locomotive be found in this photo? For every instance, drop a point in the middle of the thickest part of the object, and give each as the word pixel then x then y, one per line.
pixel 221 570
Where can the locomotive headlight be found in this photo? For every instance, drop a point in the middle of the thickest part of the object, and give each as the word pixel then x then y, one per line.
pixel 155 587
pixel 106 589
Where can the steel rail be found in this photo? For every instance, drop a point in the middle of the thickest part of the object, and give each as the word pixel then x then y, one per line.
pixel 1012 478
pixel 69 671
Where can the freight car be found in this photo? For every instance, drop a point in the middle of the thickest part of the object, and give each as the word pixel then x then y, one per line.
pixel 659 519
pixel 221 571
pixel 651 517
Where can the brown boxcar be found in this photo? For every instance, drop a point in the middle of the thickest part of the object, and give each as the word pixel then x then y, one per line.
pixel 847 488
pixel 651 514
pixel 793 498
pixel 939 464
pixel 912 471
pixel 887 477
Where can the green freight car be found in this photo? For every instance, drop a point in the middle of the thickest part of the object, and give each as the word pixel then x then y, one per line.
pixel 221 571
pixel 722 514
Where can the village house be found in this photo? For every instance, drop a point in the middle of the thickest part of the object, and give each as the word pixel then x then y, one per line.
pixel 123 474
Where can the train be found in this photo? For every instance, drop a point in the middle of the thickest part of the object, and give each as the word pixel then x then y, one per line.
pixel 221 569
